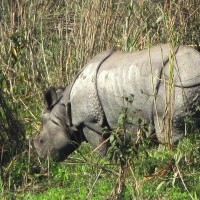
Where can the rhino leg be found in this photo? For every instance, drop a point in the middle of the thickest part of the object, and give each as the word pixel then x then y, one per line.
pixel 165 133
pixel 175 118
pixel 96 141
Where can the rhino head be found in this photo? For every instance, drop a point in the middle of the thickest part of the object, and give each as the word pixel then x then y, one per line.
pixel 56 139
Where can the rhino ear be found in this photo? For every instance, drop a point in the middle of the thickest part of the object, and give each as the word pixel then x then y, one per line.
pixel 52 95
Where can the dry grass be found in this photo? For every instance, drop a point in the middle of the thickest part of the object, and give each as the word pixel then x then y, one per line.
pixel 45 43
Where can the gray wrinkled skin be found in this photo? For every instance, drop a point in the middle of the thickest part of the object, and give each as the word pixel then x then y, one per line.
pixel 98 95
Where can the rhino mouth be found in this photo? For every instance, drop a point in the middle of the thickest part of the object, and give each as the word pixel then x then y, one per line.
pixel 60 155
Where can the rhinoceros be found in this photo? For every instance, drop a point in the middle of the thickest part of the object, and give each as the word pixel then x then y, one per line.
pixel 160 80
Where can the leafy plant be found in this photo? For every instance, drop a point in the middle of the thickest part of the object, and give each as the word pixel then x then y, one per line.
pixel 44 43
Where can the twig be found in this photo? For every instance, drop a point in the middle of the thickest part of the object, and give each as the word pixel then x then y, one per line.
pixel 100 145
pixel 94 184
pixel 26 107
pixel 181 177
pixel 96 165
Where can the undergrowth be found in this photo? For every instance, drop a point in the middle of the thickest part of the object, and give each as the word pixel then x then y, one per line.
pixel 44 43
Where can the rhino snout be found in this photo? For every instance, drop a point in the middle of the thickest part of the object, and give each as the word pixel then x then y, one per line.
pixel 58 150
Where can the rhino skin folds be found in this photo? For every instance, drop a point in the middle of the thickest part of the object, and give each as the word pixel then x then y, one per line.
pixel 90 106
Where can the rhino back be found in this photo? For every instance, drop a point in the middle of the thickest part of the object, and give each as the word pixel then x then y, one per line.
pixel 109 79
pixel 186 67
pixel 136 75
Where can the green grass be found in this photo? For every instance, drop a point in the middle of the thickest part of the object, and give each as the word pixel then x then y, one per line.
pixel 43 43
pixel 153 174
pixel 73 179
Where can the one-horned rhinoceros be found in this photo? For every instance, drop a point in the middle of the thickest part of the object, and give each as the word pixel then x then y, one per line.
pixel 160 80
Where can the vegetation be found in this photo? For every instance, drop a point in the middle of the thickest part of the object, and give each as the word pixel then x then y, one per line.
pixel 44 43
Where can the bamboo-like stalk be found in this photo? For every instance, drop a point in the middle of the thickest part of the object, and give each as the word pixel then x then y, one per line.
pixel 45 43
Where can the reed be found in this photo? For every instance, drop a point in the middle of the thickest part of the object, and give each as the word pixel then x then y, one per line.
pixel 45 43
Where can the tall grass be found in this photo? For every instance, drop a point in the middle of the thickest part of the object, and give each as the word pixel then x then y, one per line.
pixel 45 43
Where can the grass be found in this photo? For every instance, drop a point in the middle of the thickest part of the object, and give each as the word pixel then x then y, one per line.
pixel 43 43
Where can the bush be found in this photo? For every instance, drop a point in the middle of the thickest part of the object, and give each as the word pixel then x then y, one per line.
pixel 44 43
